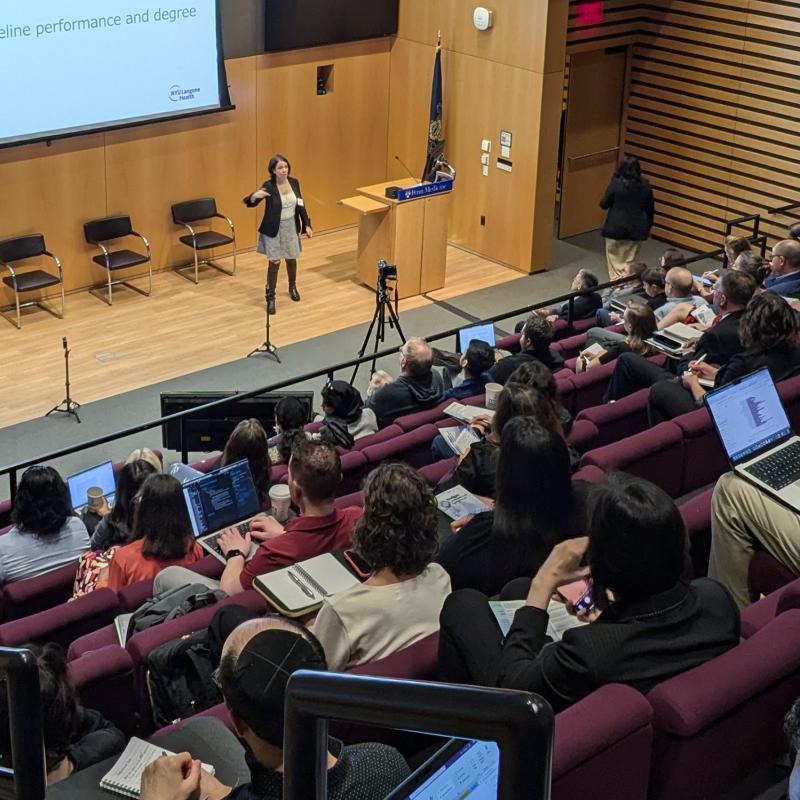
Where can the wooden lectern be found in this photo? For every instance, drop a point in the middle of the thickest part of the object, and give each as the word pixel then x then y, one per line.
pixel 411 234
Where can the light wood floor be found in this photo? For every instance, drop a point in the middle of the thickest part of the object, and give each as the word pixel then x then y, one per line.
pixel 182 328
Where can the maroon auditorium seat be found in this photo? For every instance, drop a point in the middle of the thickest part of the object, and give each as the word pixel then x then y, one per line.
pixel 569 348
pixel 615 421
pixel 104 681
pixel 696 514
pixel 413 447
pixel 509 343
pixel 63 624
pixel 389 432
pixel 350 500
pixel 589 474
pixel 716 724
pixel 411 422
pixel 763 611
pixel 766 574
pixel 789 391
pixel 436 472
pixel 583 435
pixel 5 513
pixel 655 455
pixel 21 598
pixel 704 458
pixel 590 386
pixel 602 746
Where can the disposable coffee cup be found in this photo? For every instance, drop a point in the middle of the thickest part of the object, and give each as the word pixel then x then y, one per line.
pixel 94 496
pixel 280 500
pixel 492 390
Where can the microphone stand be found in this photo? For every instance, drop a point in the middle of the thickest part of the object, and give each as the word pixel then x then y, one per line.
pixel 67 405
pixel 267 348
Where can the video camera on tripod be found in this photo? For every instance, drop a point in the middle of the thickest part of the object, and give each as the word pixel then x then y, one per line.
pixel 386 272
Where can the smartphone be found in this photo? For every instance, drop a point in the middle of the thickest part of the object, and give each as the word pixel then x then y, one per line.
pixel 357 564
pixel 579 595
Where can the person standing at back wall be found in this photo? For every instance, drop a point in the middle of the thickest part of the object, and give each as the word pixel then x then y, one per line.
pixel 285 221
pixel 631 208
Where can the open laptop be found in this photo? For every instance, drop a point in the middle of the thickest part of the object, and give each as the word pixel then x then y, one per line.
pixel 221 499
pixel 101 475
pixel 757 435
pixel 484 333
pixel 461 769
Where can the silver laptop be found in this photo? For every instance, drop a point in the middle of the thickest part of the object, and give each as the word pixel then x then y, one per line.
pixel 757 435
pixel 101 475
pixel 222 499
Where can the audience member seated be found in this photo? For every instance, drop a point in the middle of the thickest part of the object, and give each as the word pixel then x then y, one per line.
pixel 344 417
pixel 718 346
pixel 754 265
pixel 768 331
pixel 476 362
pixel 538 376
pixel 648 623
pixel 248 440
pixel 535 339
pixel 734 247
pixel 633 290
pixel 378 380
pixel 678 287
pixel 74 737
pixel 258 659
pixel 639 322
pixel 784 264
pixel 584 307
pixel 290 416
pixel 671 257
pixel 653 282
pixel 745 519
pixel 315 472
pixel 399 604
pixel 162 535
pixel 45 534
pixel 115 528
pixel 537 505
pixel 419 387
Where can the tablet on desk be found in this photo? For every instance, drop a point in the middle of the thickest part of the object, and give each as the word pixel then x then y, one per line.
pixel 484 333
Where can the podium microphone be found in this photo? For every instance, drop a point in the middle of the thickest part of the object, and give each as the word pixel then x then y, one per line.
pixel 402 164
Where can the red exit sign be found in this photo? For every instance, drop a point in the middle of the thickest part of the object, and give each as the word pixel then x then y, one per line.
pixel 590 13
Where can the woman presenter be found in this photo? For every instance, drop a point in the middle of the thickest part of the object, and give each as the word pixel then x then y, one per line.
pixel 285 220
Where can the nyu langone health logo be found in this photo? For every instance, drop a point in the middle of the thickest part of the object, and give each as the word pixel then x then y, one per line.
pixel 179 95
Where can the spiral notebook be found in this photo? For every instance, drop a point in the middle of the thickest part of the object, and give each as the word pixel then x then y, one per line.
pixel 125 777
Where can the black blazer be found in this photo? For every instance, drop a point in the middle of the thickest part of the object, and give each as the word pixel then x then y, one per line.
pixel 720 343
pixel 584 307
pixel 272 213
pixel 630 209
pixel 783 362
pixel 639 644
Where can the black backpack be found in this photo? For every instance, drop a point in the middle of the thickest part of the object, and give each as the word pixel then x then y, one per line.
pixel 179 673
pixel 172 604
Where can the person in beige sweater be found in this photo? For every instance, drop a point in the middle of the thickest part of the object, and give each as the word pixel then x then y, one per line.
pixel 400 602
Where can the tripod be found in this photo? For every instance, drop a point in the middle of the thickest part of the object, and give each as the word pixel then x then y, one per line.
pixel 67 405
pixel 386 310
pixel 267 348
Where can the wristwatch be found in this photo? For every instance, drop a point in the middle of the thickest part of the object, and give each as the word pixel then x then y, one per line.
pixel 233 553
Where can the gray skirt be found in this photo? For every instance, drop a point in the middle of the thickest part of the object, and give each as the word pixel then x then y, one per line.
pixel 285 245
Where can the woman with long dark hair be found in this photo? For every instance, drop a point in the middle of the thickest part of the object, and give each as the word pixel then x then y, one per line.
pixel 115 528
pixel 285 221
pixel 45 535
pixel 248 440
pixel 161 536
pixel 536 505
pixel 631 209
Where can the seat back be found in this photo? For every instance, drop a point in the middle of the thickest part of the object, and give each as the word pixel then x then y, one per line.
pixel 704 457
pixel 194 210
pixel 602 746
pixel 789 391
pixel 615 421
pixel 22 247
pixel 717 723
pixel 103 230
pixel 63 624
pixel 655 455
pixel 21 598
pixel 413 447
pixel 766 574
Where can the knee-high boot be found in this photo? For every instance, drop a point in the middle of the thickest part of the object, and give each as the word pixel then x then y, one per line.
pixel 291 271
pixel 272 282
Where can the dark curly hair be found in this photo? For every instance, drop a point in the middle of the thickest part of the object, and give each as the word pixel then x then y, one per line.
pixel 768 322
pixel 42 504
pixel 398 527
pixel 539 331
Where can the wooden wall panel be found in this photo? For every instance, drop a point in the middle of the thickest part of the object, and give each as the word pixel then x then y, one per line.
pixel 508 78
pixel 52 190
pixel 335 142
pixel 150 169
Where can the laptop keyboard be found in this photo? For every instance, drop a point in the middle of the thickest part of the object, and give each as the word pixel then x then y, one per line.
pixel 213 541
pixel 779 469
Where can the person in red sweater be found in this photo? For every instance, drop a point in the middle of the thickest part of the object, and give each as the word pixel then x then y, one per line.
pixel 161 536
pixel 315 473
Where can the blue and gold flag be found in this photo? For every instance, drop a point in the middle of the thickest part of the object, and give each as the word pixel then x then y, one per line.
pixel 435 129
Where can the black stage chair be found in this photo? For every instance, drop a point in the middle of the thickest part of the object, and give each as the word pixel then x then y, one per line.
pixel 203 210
pixel 18 249
pixel 108 229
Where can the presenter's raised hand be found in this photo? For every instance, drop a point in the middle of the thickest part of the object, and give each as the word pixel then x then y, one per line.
pixel 308 233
